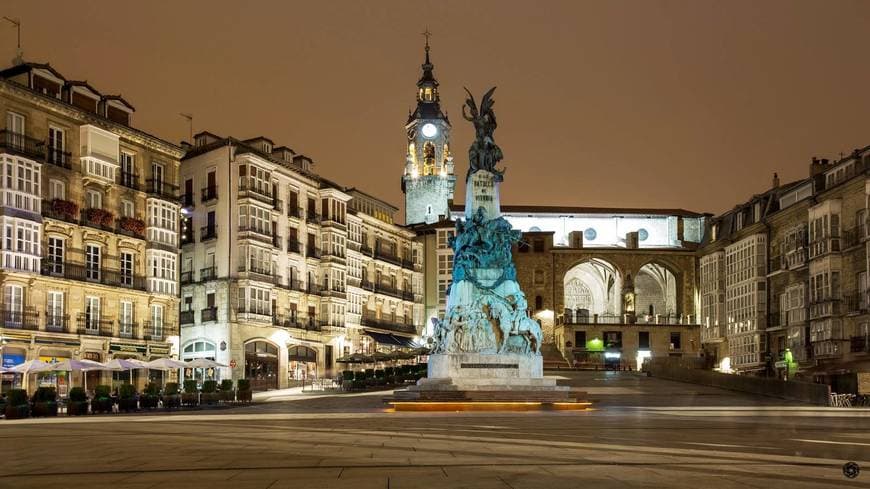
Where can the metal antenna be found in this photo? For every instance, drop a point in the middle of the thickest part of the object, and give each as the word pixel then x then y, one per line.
pixel 17 24
pixel 189 118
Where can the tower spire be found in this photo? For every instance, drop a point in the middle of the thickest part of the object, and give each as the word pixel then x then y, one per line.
pixel 427 34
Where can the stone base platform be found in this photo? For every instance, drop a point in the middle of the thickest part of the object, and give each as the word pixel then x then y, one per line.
pixel 487 395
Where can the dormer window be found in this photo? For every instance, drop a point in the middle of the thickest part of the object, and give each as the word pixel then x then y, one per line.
pixel 267 148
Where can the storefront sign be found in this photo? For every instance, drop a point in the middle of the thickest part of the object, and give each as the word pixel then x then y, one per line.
pixel 233 363
pixel 223 346
pixel 12 359
pixel 92 355
pixel 126 348
pixel 159 350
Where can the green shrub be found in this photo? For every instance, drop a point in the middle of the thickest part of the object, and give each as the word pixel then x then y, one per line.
pixel 227 385
pixel 45 394
pixel 190 387
pixel 370 373
pixel 389 371
pixel 244 385
pixel 127 391
pixel 17 397
pixel 208 386
pixel 347 375
pixel 171 389
pixel 78 402
pixel 77 394
pixel 152 389
pixel 101 391
pixel 379 374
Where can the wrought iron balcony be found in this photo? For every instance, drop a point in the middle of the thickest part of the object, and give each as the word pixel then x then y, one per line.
pixel 297 322
pixel 59 157
pixel 186 277
pixel 162 189
pixel 294 246
pixel 99 275
pixel 387 256
pixel 208 314
pixel 186 317
pixel 296 212
pixel 129 180
pixel 62 210
pixel 20 144
pixel 187 201
pixel 208 273
pixel 26 319
pixel 209 194
pixel 128 329
pixel 312 252
pixel 859 344
pixel 158 332
pixel 94 326
pixel 312 218
pixel 371 320
pixel 207 232
pixel 57 323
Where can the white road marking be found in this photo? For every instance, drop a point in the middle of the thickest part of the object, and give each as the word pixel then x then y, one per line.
pixel 831 442
pixel 726 445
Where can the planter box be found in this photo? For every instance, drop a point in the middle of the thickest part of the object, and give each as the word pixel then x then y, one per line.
pixel 45 408
pixel 227 396
pixel 210 398
pixel 101 405
pixel 148 401
pixel 17 412
pixel 77 408
pixel 190 399
pixel 128 405
pixel 172 401
pixel 245 396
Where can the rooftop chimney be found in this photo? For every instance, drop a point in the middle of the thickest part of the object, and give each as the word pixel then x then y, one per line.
pixel 775 180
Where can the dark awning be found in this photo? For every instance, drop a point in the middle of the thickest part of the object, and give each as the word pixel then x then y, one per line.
pixel 388 339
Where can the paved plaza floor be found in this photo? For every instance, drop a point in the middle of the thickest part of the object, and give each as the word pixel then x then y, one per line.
pixel 643 432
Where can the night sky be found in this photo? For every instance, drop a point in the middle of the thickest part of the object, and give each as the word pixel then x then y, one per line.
pixel 688 104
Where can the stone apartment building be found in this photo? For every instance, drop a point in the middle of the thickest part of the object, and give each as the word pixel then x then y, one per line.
pixel 794 299
pixel 283 271
pixel 90 226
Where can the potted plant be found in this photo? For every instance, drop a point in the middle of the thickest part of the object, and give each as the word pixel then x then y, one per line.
pixel 99 216
pixel 347 380
pixel 45 402
pixel 78 402
pixel 209 392
pixel 128 400
pixel 243 390
pixel 390 375
pixel 380 377
pixel 226 394
pixel 190 396
pixel 65 207
pixel 171 399
pixel 102 402
pixel 150 396
pixel 16 404
pixel 133 225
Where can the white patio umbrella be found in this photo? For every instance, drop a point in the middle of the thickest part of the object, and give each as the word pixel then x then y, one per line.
pixel 30 367
pixel 165 364
pixel 78 366
pixel 123 364
pixel 203 363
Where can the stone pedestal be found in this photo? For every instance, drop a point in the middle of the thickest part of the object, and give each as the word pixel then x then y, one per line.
pixel 462 367
pixel 482 193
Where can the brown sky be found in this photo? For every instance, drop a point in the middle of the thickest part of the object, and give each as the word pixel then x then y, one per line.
pixel 688 104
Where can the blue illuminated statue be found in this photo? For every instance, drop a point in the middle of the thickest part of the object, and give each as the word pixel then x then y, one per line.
pixel 486 310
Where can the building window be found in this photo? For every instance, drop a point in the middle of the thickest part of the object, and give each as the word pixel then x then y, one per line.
pixel 157 320
pixel 128 169
pixel 255 300
pixel 676 343
pixel 643 340
pixel 162 266
pixel 162 222
pixel 92 313
pixel 56 145
pixel 157 177
pixel 21 244
pixel 57 189
pixel 55 255
pixel 20 186
pixel 13 303
pixel 94 199
pixel 54 310
pixel 127 260
pixel 127 208
pixel 92 262
pixel 125 321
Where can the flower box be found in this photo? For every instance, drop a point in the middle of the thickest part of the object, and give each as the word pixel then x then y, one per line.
pixel 99 216
pixel 133 225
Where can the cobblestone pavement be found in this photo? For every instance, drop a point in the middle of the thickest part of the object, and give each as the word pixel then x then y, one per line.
pixel 642 433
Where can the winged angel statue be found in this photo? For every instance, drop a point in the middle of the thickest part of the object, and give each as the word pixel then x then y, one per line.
pixel 483 154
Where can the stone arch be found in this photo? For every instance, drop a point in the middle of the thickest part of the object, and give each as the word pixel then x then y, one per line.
pixel 593 286
pixel 658 288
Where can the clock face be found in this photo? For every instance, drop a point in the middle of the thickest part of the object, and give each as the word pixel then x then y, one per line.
pixel 429 130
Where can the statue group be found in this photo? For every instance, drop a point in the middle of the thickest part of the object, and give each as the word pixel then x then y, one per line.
pixel 486 310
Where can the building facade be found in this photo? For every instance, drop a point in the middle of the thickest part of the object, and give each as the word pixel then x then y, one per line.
pixel 795 262
pixel 283 271
pixel 609 286
pixel 90 226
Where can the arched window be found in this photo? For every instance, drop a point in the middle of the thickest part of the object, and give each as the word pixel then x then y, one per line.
pixel 301 354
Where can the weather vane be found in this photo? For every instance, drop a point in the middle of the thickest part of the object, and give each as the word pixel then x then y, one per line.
pixel 427 35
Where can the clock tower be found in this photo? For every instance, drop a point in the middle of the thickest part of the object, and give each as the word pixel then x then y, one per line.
pixel 428 180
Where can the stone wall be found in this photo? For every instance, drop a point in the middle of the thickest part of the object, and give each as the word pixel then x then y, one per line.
pixel 791 390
